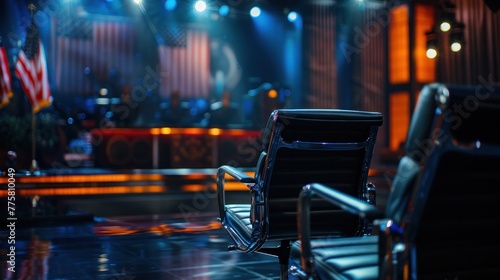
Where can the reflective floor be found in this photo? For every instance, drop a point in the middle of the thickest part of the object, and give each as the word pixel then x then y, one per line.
pixel 132 248
pixel 172 234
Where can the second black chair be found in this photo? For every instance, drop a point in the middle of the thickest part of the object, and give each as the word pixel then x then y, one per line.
pixel 441 217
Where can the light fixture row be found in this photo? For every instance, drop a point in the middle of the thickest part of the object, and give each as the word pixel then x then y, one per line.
pixel 224 10
pixel 446 25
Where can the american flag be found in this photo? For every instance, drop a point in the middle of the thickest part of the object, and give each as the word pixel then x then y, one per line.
pixel 87 49
pixel 5 86
pixel 185 62
pixel 31 68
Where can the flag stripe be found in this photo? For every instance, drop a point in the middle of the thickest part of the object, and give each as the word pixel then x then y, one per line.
pixel 33 76
pixel 110 45
pixel 186 69
pixel 5 85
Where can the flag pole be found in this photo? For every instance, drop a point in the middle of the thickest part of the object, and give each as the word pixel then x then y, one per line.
pixel 32 73
pixel 34 164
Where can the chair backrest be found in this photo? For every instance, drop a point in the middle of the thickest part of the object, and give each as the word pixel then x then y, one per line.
pixel 450 221
pixel 332 146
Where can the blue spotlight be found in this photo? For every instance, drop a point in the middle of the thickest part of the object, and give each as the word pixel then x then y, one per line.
pixel 223 10
pixel 200 6
pixel 170 5
pixel 292 16
pixel 255 12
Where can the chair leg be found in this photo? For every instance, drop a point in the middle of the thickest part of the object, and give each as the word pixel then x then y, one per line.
pixel 283 254
pixel 284 271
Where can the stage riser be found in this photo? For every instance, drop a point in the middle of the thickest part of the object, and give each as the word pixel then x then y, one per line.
pixel 139 148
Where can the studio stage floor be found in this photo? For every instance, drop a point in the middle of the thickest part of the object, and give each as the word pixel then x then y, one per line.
pixel 129 225
pixel 134 248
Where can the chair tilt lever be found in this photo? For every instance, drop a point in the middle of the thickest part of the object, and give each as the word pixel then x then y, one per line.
pixel 231 248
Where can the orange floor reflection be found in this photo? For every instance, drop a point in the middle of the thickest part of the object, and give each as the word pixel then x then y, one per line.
pixel 110 228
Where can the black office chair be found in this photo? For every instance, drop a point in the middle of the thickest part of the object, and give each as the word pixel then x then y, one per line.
pixel 334 146
pixel 443 211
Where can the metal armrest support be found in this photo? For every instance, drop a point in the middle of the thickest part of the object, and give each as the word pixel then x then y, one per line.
pixel 391 249
pixel 236 174
pixel 347 202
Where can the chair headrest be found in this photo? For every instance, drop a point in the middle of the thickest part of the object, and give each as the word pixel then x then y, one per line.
pixel 318 116
pixel 421 122
pixel 468 112
pixel 329 115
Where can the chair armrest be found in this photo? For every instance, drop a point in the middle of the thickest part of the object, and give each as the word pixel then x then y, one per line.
pixel 344 201
pixel 236 174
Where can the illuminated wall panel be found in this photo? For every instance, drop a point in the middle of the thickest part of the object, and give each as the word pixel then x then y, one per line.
pixel 424 66
pixel 399 70
pixel 399 112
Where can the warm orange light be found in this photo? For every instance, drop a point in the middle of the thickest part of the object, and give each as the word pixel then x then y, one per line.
pixel 189 131
pixel 98 133
pixel 272 93
pixel 85 178
pixel 194 188
pixel 166 130
pixel 235 186
pixel 115 230
pixel 195 176
pixel 239 132
pixel 88 190
pixel 399 112
pixel 425 69
pixel 373 172
pixel 399 45
pixel 228 177
pixel 161 229
pixel 230 184
pixel 214 131
pixel 155 131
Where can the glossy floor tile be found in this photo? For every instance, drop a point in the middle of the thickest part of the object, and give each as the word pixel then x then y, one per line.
pixel 132 248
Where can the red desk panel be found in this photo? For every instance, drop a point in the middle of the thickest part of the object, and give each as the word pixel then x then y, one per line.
pixel 165 147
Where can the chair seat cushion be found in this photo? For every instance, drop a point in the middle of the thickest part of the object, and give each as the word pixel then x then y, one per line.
pixel 238 219
pixel 343 258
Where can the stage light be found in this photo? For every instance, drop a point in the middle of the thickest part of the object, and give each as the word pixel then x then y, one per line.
pixel 431 53
pixel 445 26
pixel 457 37
pixel 138 2
pixel 223 10
pixel 292 16
pixel 255 12
pixel 432 45
pixel 170 5
pixel 456 47
pixel 200 6
pixel 447 16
